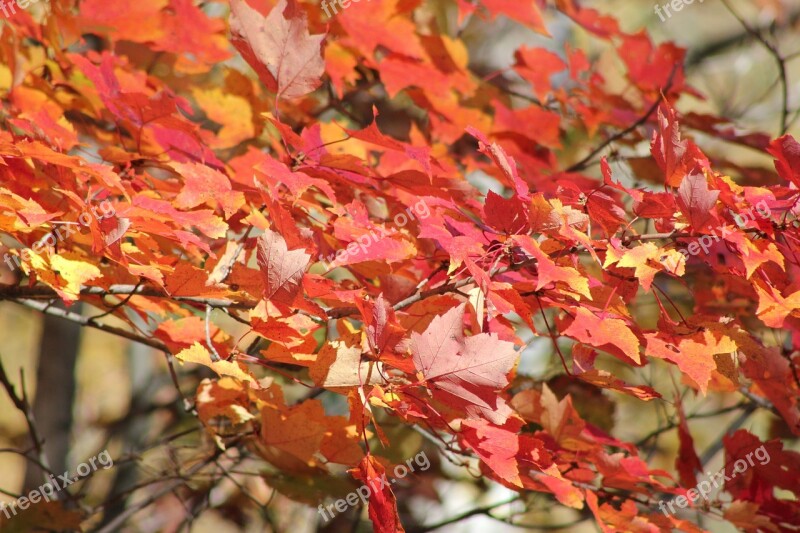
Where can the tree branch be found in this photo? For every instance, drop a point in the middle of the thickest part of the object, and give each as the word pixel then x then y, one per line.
pixel 24 406
pixel 45 307
pixel 775 53
pixel 43 292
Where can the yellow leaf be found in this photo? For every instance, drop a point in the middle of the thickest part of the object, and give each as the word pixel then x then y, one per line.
pixel 75 273
pixel 232 112
pixel 197 353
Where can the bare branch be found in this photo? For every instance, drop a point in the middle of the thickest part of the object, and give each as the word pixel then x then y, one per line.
pixel 24 406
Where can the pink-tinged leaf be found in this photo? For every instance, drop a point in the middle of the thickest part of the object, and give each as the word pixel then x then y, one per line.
pixel 204 185
pixel 382 329
pixel 282 269
pixel 287 59
pixel 466 373
pixel 504 451
pixel 675 156
pixel 696 201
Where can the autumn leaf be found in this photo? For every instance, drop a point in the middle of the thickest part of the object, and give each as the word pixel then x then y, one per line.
pixel 693 354
pixel 287 59
pixel 340 365
pixel 583 368
pixel 376 278
pixel 606 333
pixel 549 272
pixel 669 149
pixel 75 273
pixel 466 372
pixel 786 151
pixel 382 501
pixel 696 200
pixel 687 463
pixel 640 258
pixel 297 431
pixel 773 308
pixel 203 184
pixel 282 269
pixel 200 355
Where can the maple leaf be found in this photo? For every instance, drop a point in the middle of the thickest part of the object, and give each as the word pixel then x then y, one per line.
pixel 383 332
pixel 185 147
pixel 382 501
pixel 223 398
pixel 608 334
pixel 754 253
pixel 583 368
pixel 537 65
pixel 525 12
pixel 667 146
pixel 297 431
pixel 786 151
pixel 371 134
pixel 503 161
pixel 503 450
pixel 637 258
pixel 75 273
pixel 773 308
pixel 694 354
pixel 287 59
pixel 464 372
pixel 549 272
pixel 340 365
pixel 676 156
pixel 281 269
pixel 200 355
pixel 687 462
pixel 696 200
pixel 506 215
pixel 206 185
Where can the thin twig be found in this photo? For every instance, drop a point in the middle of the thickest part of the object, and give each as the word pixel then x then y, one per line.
pixel 733 426
pixel 118 521
pixel 463 516
pixel 214 355
pixel 775 53
pixel 24 406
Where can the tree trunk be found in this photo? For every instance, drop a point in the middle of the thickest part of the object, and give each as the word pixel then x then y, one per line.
pixel 55 394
